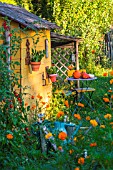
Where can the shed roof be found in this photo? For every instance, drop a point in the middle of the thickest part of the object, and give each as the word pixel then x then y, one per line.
pixel 24 17
pixel 58 40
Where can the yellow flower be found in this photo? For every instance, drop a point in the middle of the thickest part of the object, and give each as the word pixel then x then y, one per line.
pixel 102 126
pixel 49 135
pixel 93 122
pixel 75 139
pixel 71 151
pixel 107 116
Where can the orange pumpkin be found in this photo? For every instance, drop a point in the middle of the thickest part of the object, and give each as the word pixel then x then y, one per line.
pixel 85 75
pixel 77 74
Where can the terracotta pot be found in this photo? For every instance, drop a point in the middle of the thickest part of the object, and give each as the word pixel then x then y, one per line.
pixel 53 77
pixel 35 66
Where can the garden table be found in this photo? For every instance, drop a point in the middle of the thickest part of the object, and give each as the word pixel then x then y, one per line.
pixel 82 89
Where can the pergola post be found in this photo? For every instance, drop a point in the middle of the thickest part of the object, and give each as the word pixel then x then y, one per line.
pixel 77 60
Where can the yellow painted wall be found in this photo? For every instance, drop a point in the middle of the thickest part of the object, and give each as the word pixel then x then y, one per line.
pixel 33 81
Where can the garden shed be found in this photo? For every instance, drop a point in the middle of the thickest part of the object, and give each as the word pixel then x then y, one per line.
pixel 36 33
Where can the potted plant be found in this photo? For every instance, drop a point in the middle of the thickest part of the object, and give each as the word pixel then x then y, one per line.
pixel 36 59
pixel 52 73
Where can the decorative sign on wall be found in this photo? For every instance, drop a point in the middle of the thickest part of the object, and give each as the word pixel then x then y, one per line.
pixel 46 48
pixel 27 59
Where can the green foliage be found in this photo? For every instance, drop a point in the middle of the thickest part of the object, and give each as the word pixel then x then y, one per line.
pixel 52 70
pixel 37 55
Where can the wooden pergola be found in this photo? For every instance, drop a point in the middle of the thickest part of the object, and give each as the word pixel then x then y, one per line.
pixel 63 41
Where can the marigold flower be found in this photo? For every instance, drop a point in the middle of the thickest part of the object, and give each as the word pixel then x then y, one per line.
pixel 105 74
pixel 88 118
pixel 43 103
pixel 111 81
pixel 32 97
pixel 107 116
pixel 111 73
pixel 62 136
pixel 47 106
pixel 110 91
pixel 93 122
pixel 77 116
pixel 77 168
pixel 66 103
pixel 33 107
pixel 49 135
pixel 75 139
pixel 102 126
pixel 26 104
pixel 111 96
pixel 93 144
pixel 59 114
pixel 9 136
pixel 81 160
pixel 111 123
pixel 39 97
pixel 71 151
pixel 80 105
pixel 106 99
pixel 60 148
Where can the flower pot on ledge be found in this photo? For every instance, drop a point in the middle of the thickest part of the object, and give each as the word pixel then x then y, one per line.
pixel 53 77
pixel 35 66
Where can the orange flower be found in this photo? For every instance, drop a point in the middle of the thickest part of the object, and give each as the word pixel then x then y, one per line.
pixel 111 73
pixel 62 136
pixel 66 103
pixel 88 118
pixel 59 114
pixel 60 148
pixel 71 151
pixel 111 81
pixel 39 97
pixel 32 97
pixel 105 74
pixel 81 160
pixel 111 96
pixel 111 123
pixel 77 116
pixel 93 51
pixel 77 168
pixel 26 104
pixel 43 103
pixel 47 106
pixel 9 136
pixel 110 91
pixel 93 122
pixel 80 104
pixel 33 107
pixel 107 116
pixel 106 99
pixel 49 135
pixel 93 144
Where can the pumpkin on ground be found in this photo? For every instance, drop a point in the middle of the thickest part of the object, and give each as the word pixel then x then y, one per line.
pixel 77 74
